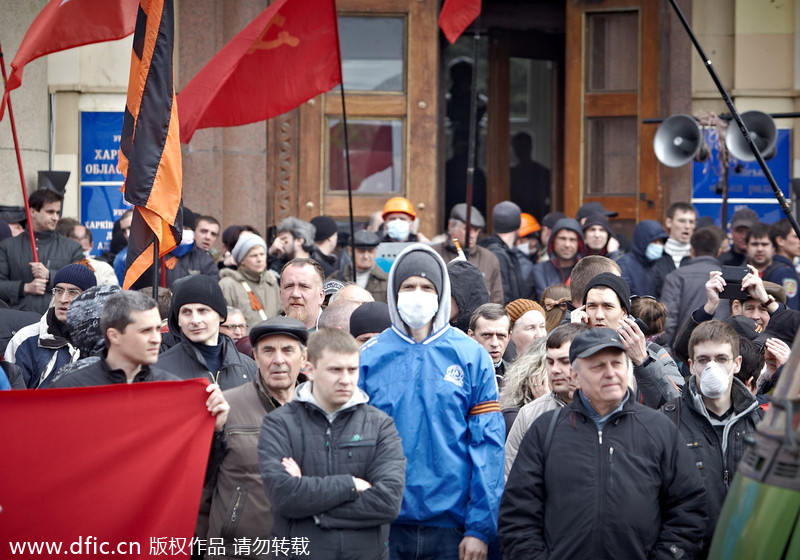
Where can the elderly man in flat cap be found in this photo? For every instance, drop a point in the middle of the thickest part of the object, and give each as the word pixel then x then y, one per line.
pixel 238 506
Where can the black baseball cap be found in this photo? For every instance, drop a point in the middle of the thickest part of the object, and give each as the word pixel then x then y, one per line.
pixel 589 343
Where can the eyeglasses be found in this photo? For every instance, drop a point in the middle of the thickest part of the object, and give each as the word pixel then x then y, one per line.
pixel 235 327
pixel 721 360
pixel 72 293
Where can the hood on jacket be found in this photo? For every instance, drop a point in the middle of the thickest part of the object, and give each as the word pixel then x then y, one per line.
pixel 645 233
pixel 602 221
pixel 571 225
pixel 468 288
pixel 83 318
pixel 442 317
pixel 302 393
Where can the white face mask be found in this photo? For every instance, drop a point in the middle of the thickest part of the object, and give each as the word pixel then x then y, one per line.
pixel 188 237
pixel 417 308
pixel 525 248
pixel 398 229
pixel 714 380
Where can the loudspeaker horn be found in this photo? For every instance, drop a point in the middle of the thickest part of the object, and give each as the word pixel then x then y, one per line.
pixel 679 140
pixel 763 132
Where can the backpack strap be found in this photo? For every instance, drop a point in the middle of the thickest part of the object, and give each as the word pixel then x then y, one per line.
pixel 672 410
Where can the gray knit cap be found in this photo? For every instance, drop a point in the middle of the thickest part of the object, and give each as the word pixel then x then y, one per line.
pixel 247 241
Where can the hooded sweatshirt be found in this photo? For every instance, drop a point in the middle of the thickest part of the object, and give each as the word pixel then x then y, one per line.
pixel 637 270
pixel 550 272
pixel 442 395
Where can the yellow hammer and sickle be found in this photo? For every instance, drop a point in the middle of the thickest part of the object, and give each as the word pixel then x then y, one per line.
pixel 283 37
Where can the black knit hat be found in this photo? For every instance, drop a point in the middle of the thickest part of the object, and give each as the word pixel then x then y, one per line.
pixel 506 217
pixel 370 317
pixel 76 274
pixel 196 289
pixel 325 227
pixel 616 283
pixel 418 263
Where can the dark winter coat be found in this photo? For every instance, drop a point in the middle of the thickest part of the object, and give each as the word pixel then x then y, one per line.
pixel 715 459
pixel 323 505
pixel 185 360
pixel 98 373
pixel 637 270
pixel 55 252
pixel 684 291
pixel 516 269
pixel 195 262
pixel 239 507
pixel 630 491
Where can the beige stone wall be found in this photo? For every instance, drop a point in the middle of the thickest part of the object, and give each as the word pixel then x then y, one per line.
pixel 752 45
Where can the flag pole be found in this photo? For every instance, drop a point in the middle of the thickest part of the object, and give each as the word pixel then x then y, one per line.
pixel 156 282
pixel 349 182
pixel 19 161
pixel 738 118
pixel 473 128
pixel 346 151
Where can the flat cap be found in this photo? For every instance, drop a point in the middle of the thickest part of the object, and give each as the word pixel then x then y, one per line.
pixel 279 325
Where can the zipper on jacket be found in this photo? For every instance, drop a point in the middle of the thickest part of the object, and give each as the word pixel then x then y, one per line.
pixel 328 445
pixel 600 436
pixel 610 468
pixel 235 509
pixel 726 475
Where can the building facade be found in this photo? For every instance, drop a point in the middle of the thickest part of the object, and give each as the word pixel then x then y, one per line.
pixel 579 77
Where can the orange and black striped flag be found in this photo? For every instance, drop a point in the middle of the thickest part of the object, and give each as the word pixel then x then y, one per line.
pixel 150 153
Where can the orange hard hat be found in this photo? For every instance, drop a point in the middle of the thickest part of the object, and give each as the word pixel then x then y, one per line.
pixel 528 225
pixel 398 204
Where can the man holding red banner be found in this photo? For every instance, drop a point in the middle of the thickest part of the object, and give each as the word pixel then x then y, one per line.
pixel 131 325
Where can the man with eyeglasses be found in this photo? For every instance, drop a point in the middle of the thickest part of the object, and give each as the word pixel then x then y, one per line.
pixel 716 413
pixel 42 348
pixel 234 326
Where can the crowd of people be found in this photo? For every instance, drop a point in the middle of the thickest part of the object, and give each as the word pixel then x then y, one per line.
pixel 551 389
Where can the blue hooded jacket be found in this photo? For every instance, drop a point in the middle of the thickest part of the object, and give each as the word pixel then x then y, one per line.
pixel 637 269
pixel 442 396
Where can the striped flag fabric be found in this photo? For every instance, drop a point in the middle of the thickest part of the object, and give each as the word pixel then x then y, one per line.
pixel 284 57
pixel 456 16
pixel 150 152
pixel 65 24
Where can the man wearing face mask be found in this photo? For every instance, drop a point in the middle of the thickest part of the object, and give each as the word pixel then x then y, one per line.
pixel 715 414
pixel 641 266
pixel 438 385
pixel 398 221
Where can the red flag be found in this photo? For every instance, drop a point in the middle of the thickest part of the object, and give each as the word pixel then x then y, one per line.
pixel 284 57
pixel 150 150
pixel 117 464
pixel 456 15
pixel 64 24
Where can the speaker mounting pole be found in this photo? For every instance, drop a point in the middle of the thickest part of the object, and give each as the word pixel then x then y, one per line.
pixel 738 118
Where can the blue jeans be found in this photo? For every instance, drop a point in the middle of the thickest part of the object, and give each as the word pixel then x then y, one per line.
pixel 418 542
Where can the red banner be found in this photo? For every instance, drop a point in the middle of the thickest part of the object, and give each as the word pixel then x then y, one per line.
pixel 64 24
pixel 98 469
pixel 284 57
pixel 456 16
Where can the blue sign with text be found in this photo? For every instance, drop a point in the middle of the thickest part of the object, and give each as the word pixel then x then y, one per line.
pixel 101 199
pixel 747 184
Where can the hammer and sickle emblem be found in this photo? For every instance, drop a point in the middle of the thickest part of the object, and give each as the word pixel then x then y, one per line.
pixel 283 37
